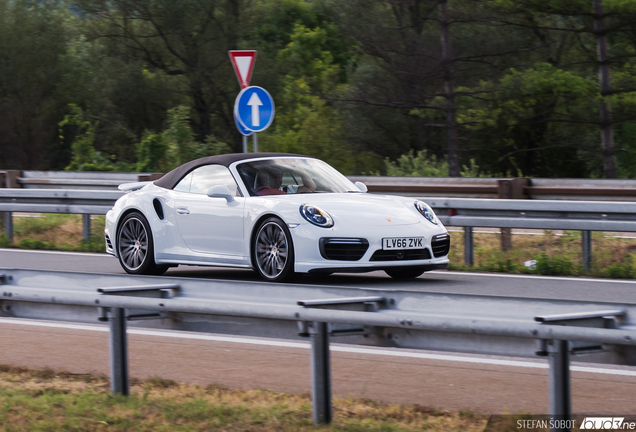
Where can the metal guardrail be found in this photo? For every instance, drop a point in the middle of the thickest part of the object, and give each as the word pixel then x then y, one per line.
pixel 58 201
pixel 508 188
pixel 459 187
pixel 597 331
pixel 71 179
pixel 584 216
pixel 535 214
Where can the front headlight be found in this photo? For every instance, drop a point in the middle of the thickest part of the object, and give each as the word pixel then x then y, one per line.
pixel 316 216
pixel 426 211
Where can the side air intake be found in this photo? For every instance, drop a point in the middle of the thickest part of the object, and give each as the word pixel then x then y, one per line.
pixel 158 207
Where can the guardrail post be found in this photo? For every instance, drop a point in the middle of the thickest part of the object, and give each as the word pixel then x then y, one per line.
pixel 8 225
pixel 560 398
pixel 11 178
pixel 586 250
pixel 86 225
pixel 118 352
pixel 469 257
pixel 320 374
pixel 511 189
pixel 2 184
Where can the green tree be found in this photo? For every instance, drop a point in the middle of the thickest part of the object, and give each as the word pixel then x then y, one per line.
pixel 187 39
pixel 161 152
pixel 420 61
pixel 595 40
pixel 33 36
pixel 82 136
pixel 151 153
pixel 314 57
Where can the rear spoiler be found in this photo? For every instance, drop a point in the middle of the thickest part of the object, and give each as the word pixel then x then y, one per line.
pixel 129 187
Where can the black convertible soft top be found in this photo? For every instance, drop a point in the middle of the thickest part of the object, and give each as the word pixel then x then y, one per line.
pixel 170 180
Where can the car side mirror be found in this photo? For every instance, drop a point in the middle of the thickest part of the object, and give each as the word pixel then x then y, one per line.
pixel 221 191
pixel 361 187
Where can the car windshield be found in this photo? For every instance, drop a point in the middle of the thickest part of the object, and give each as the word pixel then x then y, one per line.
pixel 292 176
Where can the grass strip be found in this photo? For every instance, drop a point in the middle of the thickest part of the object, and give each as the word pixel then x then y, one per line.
pixel 61 401
pixel 555 255
pixel 51 231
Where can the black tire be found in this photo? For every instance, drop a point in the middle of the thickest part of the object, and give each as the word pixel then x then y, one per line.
pixel 273 251
pixel 135 247
pixel 405 273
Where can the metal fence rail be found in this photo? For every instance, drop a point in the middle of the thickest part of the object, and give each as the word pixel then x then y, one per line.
pixel 522 188
pixel 71 179
pixel 459 187
pixel 604 331
pixel 58 201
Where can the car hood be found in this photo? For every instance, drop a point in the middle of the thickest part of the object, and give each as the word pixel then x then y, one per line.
pixel 363 209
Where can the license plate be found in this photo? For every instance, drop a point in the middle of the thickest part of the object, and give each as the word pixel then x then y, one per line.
pixel 403 243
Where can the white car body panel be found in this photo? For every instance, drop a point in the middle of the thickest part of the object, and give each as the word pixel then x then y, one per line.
pixel 216 232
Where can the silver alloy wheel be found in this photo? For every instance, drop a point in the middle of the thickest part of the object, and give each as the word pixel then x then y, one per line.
pixel 132 243
pixel 271 250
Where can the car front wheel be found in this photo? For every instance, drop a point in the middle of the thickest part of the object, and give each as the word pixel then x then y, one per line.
pixel 135 247
pixel 273 251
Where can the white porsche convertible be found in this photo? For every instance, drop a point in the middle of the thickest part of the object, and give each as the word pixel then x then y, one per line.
pixel 278 214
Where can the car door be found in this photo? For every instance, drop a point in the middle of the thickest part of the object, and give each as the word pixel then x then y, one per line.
pixel 210 225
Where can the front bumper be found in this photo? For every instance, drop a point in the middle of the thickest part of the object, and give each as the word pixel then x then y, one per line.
pixel 310 255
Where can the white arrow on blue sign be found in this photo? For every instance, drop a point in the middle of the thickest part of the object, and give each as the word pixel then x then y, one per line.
pixel 254 109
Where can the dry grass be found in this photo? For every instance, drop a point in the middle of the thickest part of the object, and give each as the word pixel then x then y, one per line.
pixel 66 231
pixel 55 231
pixel 56 401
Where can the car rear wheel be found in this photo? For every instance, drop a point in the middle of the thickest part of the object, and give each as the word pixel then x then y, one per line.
pixel 405 273
pixel 273 251
pixel 135 247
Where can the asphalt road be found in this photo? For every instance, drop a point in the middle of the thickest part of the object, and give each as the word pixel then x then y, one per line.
pixel 528 286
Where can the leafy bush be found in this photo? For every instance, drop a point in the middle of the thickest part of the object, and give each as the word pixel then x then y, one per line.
pixel 500 265
pixel 161 152
pixel 151 153
pixel 422 165
pixel 4 241
pixel 85 157
pixel 555 266
pixel 622 270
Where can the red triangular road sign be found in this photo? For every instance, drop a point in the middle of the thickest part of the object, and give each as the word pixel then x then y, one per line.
pixel 243 63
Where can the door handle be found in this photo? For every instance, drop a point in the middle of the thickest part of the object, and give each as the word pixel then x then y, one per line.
pixel 183 211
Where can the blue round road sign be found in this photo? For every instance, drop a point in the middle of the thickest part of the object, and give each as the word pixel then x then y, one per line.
pixel 240 127
pixel 254 109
